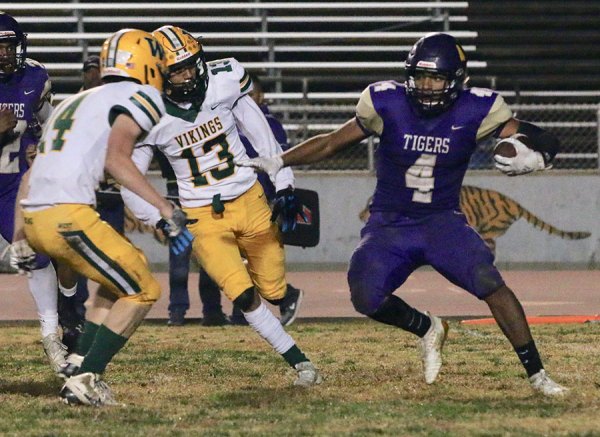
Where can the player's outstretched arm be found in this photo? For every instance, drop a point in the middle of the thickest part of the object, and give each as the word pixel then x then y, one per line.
pixel 323 146
pixel 312 150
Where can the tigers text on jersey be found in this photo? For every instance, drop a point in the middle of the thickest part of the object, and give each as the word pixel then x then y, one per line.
pixel 201 145
pixel 420 161
pixel 21 93
pixel 72 151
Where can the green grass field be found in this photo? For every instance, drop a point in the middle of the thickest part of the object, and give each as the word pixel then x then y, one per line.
pixel 226 381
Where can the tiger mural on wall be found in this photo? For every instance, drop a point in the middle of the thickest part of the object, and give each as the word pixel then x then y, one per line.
pixel 491 213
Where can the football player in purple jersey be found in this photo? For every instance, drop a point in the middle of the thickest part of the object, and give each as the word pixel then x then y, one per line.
pixel 24 106
pixel 428 128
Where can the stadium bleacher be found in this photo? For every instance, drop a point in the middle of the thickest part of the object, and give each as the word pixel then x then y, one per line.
pixel 539 45
pixel 284 40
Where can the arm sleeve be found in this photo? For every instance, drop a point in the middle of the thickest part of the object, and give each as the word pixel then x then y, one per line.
pixel 253 124
pixel 141 157
pixel 541 140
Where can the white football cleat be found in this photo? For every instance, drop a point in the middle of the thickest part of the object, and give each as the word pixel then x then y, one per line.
pixel 81 390
pixel 431 346
pixel 55 351
pixel 87 389
pixel 543 384
pixel 106 396
pixel 308 375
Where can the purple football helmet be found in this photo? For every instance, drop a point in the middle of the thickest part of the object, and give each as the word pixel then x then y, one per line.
pixel 439 55
pixel 13 54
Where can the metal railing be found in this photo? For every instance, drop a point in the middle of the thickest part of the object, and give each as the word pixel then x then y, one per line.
pixel 576 125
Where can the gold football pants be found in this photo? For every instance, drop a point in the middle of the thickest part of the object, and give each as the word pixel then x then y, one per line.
pixel 75 235
pixel 243 230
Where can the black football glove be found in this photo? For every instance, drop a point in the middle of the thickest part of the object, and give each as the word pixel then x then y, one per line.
pixel 287 206
pixel 175 230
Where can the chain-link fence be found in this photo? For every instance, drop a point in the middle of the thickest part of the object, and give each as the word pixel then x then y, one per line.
pixel 576 125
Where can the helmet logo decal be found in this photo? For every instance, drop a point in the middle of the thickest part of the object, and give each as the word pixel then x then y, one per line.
pixel 122 57
pixel 155 48
pixel 182 57
pixel 426 64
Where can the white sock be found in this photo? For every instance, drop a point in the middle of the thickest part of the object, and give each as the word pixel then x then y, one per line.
pixel 67 292
pixel 43 287
pixel 268 326
pixel 48 323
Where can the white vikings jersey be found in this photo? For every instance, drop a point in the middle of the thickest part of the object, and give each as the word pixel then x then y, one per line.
pixel 72 151
pixel 202 144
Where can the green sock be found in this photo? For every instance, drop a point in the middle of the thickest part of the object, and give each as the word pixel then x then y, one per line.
pixel 86 338
pixel 105 346
pixel 294 356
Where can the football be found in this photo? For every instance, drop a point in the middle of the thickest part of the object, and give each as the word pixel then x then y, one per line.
pixel 505 148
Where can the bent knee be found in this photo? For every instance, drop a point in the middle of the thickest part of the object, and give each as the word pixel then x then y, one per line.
pixel 245 300
pixel 149 294
pixel 364 295
pixel 364 290
pixel 486 280
pixel 364 303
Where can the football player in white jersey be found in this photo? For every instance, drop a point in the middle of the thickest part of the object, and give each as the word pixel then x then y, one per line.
pixel 88 132
pixel 206 104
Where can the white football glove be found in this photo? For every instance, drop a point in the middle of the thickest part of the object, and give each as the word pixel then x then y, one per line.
pixel 22 257
pixel 525 161
pixel 270 165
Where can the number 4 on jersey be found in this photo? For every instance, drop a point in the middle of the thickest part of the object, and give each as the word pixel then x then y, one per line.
pixel 420 177
pixel 61 123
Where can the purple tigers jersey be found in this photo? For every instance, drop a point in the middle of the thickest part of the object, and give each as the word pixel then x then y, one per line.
pixel 22 94
pixel 421 162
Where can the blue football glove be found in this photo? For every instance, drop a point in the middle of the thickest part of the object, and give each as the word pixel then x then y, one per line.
pixel 175 230
pixel 287 206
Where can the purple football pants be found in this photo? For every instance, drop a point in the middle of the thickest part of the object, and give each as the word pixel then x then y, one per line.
pixel 392 246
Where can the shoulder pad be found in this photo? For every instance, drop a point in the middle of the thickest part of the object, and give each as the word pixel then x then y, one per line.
pixel 35 64
pixel 228 80
pixel 385 85
pixel 230 70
